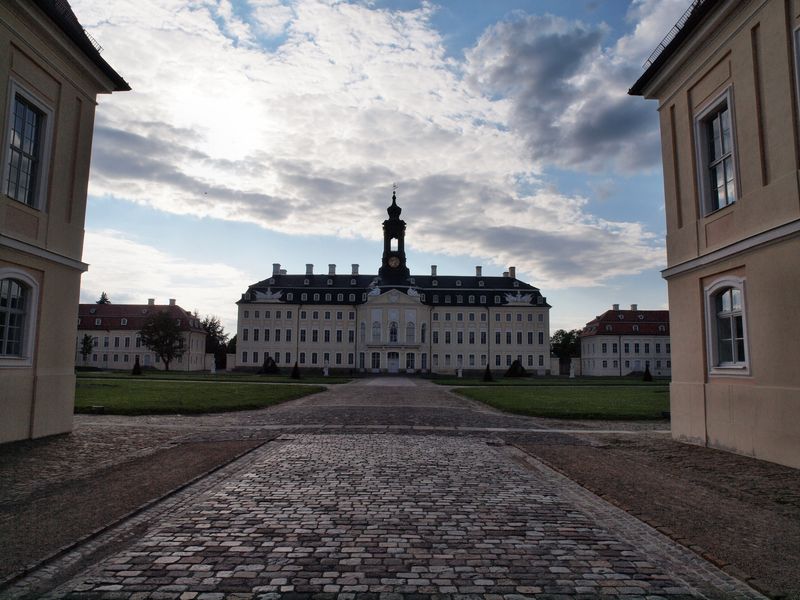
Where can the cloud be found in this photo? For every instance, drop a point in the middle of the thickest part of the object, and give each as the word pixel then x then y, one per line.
pixel 131 272
pixel 567 90
pixel 306 135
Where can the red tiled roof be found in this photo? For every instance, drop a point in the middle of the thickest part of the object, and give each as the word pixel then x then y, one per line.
pixel 622 322
pixel 111 316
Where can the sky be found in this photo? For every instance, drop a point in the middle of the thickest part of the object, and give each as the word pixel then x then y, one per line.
pixel 273 131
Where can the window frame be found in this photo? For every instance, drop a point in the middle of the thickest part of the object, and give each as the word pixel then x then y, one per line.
pixel 710 294
pixel 701 121
pixel 25 358
pixel 41 187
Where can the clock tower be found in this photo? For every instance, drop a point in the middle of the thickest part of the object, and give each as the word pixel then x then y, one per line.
pixel 393 267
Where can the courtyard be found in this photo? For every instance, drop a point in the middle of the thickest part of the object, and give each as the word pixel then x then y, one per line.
pixel 383 488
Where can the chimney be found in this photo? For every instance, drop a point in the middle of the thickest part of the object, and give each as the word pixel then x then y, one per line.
pixel 331 269
pixel 355 269
pixel 615 307
pixel 512 272
pixel 433 270
pixel 478 271
pixel 309 269
pixel 634 307
pixel 276 268
pixel 151 302
pixel 172 301
pixel 505 273
pixel 282 272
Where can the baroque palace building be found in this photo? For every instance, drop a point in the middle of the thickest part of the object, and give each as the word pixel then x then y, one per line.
pixel 394 321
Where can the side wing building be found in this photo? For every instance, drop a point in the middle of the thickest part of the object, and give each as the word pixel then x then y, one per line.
pixel 726 81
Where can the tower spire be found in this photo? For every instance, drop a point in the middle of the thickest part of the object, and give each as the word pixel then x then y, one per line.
pixel 394 210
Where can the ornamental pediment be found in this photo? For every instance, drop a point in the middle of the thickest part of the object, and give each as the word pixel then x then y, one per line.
pixel 267 297
pixel 378 296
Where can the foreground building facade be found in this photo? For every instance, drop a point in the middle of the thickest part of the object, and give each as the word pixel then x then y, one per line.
pixel 114 329
pixel 395 321
pixel 621 342
pixel 50 76
pixel 726 83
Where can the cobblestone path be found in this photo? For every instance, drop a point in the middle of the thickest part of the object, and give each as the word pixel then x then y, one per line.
pixel 390 515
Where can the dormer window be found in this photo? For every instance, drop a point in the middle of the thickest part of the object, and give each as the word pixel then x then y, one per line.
pixel 412 281
pixel 98 321
pixel 641 317
pixel 92 310
pixel 330 281
pixel 271 280
pixel 662 328
pixel 608 327
pixel 434 283
pixel 178 322
pixel 516 284
pixel 123 321
pixel 290 296
pixel 352 282
pixel 636 328
pixel 316 297
pixel 306 282
pixel 620 316
pixel 481 284
pixel 458 283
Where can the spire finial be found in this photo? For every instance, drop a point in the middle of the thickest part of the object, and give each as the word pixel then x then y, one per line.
pixel 394 210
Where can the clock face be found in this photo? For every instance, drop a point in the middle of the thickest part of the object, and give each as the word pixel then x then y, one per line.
pixel 394 261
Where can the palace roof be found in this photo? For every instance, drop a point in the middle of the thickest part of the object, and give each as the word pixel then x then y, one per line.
pixel 131 316
pixel 629 322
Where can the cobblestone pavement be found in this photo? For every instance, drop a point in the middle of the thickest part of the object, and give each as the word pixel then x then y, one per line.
pixel 386 515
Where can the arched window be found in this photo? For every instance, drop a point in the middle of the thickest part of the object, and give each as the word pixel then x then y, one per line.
pixel 411 333
pixel 727 326
pixel 393 332
pixel 18 298
pixel 13 300
pixel 376 331
pixel 422 331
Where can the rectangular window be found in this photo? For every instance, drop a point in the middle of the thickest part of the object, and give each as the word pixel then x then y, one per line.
pixel 605 364
pixel 519 337
pixel 541 360
pixel 483 337
pixel 266 335
pixel 277 335
pixel 471 337
pixel 627 348
pixel 256 314
pixel 362 360
pixel 338 358
pixel 541 338
pixel 350 358
pixel 116 342
pixel 508 337
pixel 255 357
pixel 288 336
pixel 327 315
pixel 302 335
pixel 255 334
pixel 446 316
pixel 459 337
pixel 376 360
pixel 636 348
pixel 303 313
pixel 530 360
pixel 302 358
pixel 647 348
pixel 26 160
pixel 446 360
pixel 245 335
pixel 446 337
pixel 497 360
pixel 604 348
pixel 614 348
pixel 668 348
pixel 327 336
pixel 244 357
pixel 288 357
pixel 351 336
pixel 497 335
pixel 435 337
pixel 339 335
pixel 508 360
pixel 314 358
pixel 530 338
pixel 716 154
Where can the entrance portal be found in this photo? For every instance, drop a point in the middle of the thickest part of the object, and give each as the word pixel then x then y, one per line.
pixel 393 362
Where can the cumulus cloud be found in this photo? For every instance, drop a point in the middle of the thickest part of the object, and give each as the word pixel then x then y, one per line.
pixel 306 136
pixel 567 88
pixel 131 272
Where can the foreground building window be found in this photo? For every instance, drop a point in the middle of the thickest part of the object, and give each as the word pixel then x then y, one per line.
pixel 727 327
pixel 715 143
pixel 13 300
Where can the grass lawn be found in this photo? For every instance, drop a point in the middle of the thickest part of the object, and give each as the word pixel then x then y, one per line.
pixel 547 380
pixel 138 397
pixel 576 402
pixel 219 376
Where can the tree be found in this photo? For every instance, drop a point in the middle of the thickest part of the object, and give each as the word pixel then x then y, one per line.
pixel 161 333
pixel 87 343
pixel 232 345
pixel 566 344
pixel 137 368
pixel 516 370
pixel 103 299
pixel 215 333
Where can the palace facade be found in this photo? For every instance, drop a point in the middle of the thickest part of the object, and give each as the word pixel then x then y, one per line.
pixel 394 321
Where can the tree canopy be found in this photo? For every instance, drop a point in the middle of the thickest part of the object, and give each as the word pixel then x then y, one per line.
pixel 215 333
pixel 103 299
pixel 162 334
pixel 566 344
pixel 87 344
